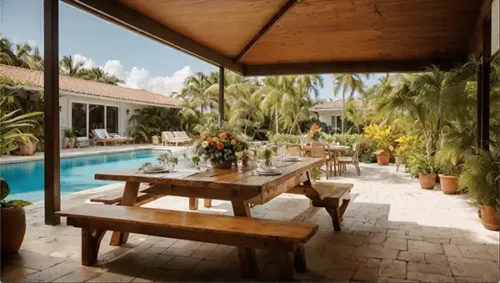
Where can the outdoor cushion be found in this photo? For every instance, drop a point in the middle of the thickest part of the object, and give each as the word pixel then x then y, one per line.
pixel 106 134
pixel 99 134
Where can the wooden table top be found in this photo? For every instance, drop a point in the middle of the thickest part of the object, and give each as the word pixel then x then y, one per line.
pixel 221 178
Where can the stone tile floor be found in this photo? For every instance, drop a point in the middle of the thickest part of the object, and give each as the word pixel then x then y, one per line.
pixel 393 231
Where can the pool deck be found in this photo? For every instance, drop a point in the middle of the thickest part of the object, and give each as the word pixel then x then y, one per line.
pixel 96 150
pixel 393 231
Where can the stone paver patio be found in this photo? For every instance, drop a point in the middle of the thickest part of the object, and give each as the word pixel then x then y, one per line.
pixel 392 231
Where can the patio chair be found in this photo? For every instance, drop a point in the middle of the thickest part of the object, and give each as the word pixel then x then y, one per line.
pixel 184 135
pixel 344 160
pixel 319 150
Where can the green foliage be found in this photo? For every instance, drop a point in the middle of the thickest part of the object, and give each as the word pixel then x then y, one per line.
pixel 407 145
pixel 151 121
pixel 315 174
pixel 69 133
pixel 421 164
pixel 286 139
pixel 381 136
pixel 4 192
pixel 14 127
pixel 480 177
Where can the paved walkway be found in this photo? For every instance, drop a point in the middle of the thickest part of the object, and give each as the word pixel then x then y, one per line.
pixel 392 231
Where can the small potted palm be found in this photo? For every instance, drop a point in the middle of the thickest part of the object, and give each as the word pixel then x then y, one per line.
pixel 69 138
pixel 481 180
pixel 13 220
pixel 449 173
pixel 383 140
pixel 423 166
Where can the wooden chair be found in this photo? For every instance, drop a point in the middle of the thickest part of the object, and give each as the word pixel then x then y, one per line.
pixel 344 160
pixel 320 150
pixel 283 237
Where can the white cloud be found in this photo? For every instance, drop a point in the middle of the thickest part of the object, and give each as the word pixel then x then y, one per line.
pixel 140 78
pixel 87 62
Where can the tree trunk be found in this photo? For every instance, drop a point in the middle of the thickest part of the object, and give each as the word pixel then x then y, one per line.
pixel 343 108
pixel 276 117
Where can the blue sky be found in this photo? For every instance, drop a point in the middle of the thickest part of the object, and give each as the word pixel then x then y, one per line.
pixel 140 62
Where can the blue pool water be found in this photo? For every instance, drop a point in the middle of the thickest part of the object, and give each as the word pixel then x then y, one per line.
pixel 77 173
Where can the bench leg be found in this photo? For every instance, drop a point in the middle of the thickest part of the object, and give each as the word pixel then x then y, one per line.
pixel 91 240
pixel 128 199
pixel 300 259
pixel 333 210
pixel 247 257
pixel 193 203
pixel 286 266
pixel 207 202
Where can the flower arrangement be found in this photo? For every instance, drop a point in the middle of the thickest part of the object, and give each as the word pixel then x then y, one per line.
pixel 220 147
pixel 315 132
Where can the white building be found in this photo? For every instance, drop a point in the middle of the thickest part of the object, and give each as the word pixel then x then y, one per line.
pixel 330 113
pixel 87 105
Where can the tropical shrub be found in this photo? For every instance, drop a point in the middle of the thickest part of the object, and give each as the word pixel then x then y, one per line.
pixel 4 192
pixel 286 139
pixel 407 145
pixel 421 164
pixel 381 136
pixel 480 177
pixel 151 121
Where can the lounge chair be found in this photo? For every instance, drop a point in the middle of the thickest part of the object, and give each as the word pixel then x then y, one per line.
pixel 183 135
pixel 169 138
pixel 101 136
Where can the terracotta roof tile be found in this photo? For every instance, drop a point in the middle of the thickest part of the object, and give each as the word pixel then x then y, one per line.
pixel 336 104
pixel 87 87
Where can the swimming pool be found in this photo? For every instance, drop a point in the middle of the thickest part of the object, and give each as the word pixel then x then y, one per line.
pixel 77 173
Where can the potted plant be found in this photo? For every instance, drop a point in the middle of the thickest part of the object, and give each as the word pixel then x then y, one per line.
pixel 423 165
pixel 69 138
pixel 449 173
pixel 168 159
pixel 481 179
pixel 27 147
pixel 382 137
pixel 220 147
pixel 266 154
pixel 13 220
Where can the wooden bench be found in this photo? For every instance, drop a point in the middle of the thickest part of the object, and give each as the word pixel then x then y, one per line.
pixel 335 200
pixel 115 197
pixel 286 238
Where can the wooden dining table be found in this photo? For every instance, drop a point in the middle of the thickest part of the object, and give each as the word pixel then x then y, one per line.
pixel 241 187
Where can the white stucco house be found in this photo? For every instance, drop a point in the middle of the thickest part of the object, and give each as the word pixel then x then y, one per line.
pixel 86 105
pixel 330 113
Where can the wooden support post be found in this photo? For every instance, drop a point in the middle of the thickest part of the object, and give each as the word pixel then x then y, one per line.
pixel 193 203
pixel 286 261
pixel 300 260
pixel 51 112
pixel 483 89
pixel 91 241
pixel 248 259
pixel 221 95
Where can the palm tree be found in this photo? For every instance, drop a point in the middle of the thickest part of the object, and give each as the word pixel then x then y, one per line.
pixel 35 60
pixel 344 83
pixel 196 87
pixel 72 68
pixel 99 75
pixel 22 52
pixel 7 57
pixel 274 91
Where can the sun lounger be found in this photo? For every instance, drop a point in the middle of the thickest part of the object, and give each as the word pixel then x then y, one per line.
pixel 101 136
pixel 169 138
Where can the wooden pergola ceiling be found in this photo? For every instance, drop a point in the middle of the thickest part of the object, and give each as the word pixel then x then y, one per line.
pixel 267 37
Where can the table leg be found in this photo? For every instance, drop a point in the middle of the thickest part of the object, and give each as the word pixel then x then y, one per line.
pixel 193 203
pixel 248 260
pixel 128 199
pixel 335 163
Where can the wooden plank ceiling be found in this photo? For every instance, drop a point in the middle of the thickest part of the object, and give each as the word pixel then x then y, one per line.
pixel 264 37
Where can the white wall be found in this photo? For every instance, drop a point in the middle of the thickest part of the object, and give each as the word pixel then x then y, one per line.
pixel 66 101
pixel 326 116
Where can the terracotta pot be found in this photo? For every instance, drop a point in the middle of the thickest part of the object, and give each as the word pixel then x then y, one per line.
pixel 68 143
pixel 489 217
pixel 155 140
pixel 383 159
pixel 227 164
pixel 27 149
pixel 427 181
pixel 13 229
pixel 449 184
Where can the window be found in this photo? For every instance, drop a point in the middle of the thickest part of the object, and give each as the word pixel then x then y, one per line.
pixel 79 119
pixel 96 116
pixel 112 119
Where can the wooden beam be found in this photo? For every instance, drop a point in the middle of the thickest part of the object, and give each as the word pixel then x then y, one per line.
pixel 117 13
pixel 476 41
pixel 221 95
pixel 51 109
pixel 483 87
pixel 352 67
pixel 288 5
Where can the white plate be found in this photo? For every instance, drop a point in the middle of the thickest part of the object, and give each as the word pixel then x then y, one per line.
pixel 268 173
pixel 155 170
pixel 267 170
pixel 291 159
